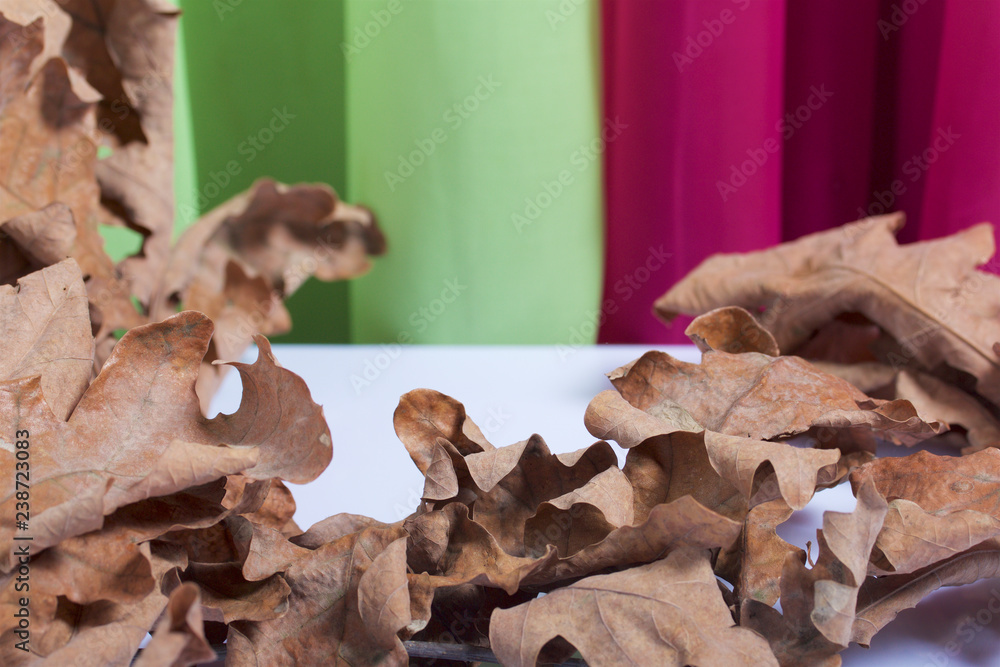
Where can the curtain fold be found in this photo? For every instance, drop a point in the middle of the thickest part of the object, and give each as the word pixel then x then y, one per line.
pixel 699 169
pixel 759 122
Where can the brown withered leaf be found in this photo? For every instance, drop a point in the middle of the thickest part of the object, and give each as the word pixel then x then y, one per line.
pixel 48 155
pixel 504 486
pixel 755 562
pixel 938 484
pixel 913 538
pixel 740 461
pixel 534 476
pixel 45 326
pixel 731 329
pixel 111 564
pixel 940 506
pixel 334 527
pixel 324 623
pixel 424 415
pixel 929 290
pixel 262 550
pixel 179 638
pixel 36 240
pixel 126 50
pixel 449 545
pixel 241 260
pixel 849 338
pixel 277 509
pixel 103 633
pixel 227 596
pixel 584 516
pixel 665 468
pixel 138 432
pixel 818 604
pixel 934 399
pixel 880 599
pixel 21 42
pixel 764 397
pixel 667 613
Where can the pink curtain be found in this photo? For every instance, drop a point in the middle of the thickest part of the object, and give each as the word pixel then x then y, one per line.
pixel 750 122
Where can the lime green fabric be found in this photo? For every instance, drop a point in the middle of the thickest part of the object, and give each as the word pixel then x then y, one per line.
pixel 486 245
pixel 462 114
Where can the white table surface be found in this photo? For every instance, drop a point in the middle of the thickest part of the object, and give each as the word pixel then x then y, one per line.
pixel 514 391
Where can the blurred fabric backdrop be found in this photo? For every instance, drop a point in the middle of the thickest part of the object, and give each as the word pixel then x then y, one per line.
pixel 544 169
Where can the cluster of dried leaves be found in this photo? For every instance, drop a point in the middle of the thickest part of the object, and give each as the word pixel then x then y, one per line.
pixel 146 516
pixel 83 77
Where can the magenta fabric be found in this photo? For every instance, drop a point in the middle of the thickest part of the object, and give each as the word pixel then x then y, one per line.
pixel 751 122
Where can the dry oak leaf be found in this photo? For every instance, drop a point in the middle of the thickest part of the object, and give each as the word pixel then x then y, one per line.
pixel 764 397
pixel 179 638
pixel 126 50
pixel 48 155
pixel 743 479
pixel 755 562
pixel 504 486
pixel 336 614
pixel 424 415
pixel 731 329
pixel 110 564
pixel 241 260
pixel 740 461
pixel 138 432
pixel 939 506
pixel 228 597
pixel 103 633
pixel 45 326
pixel 35 240
pixel 938 484
pixel 934 399
pixel 818 604
pixel 880 599
pixel 930 288
pixel 454 549
pixel 670 612
pixel 912 538
pixel 518 479
pixel 583 516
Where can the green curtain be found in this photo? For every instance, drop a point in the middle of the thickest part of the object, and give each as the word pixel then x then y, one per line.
pixel 459 122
